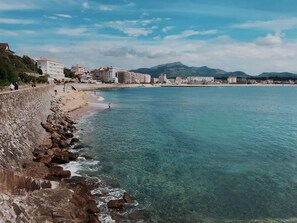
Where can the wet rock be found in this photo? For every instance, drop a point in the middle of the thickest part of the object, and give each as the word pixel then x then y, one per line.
pixel 127 198
pixel 74 140
pixel 58 173
pixel 68 135
pixel 72 156
pixel 61 157
pixel 62 144
pixel 116 204
pixel 78 146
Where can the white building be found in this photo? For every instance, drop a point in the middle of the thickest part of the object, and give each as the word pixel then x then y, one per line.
pixel 51 68
pixel 79 68
pixel 197 80
pixel 232 80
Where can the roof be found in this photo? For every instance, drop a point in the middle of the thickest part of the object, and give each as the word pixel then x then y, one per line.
pixel 4 45
pixel 79 73
pixel 48 59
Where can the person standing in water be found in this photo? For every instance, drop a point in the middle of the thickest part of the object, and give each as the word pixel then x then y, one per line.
pixel 109 105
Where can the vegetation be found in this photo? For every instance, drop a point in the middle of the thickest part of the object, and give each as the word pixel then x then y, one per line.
pixel 13 68
pixel 68 73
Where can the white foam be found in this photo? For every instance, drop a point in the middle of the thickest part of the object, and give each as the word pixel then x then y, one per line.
pixel 104 218
pixel 100 98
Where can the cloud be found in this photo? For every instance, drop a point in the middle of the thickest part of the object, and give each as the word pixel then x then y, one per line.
pixel 229 56
pixel 86 5
pixel 16 32
pixel 105 8
pixel 188 33
pixel 134 27
pixel 72 32
pixel 64 16
pixel 167 28
pixel 51 17
pixel 270 39
pixel 274 25
pixel 16 6
pixel 16 21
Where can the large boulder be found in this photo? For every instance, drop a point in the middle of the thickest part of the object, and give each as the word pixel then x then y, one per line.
pixel 116 204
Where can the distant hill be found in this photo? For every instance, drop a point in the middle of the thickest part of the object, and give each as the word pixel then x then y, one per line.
pixel 279 75
pixel 173 70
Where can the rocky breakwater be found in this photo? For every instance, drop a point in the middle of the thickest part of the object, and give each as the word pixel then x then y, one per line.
pixel 41 190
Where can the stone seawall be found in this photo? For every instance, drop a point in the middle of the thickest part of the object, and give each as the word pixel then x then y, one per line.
pixel 21 113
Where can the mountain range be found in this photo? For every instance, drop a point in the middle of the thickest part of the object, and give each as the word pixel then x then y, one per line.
pixel 178 69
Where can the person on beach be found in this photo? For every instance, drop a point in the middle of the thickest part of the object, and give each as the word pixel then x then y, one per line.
pixel 16 86
pixel 11 87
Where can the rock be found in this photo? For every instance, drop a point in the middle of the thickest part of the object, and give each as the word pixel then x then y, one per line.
pixel 48 127
pixel 58 173
pixel 62 144
pixel 68 135
pixel 72 156
pixel 55 136
pixel 78 146
pixel 46 159
pixel 74 140
pixel 116 204
pixel 127 198
pixel 61 157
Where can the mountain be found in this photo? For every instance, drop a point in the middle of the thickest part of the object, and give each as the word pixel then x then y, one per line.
pixel 276 75
pixel 173 70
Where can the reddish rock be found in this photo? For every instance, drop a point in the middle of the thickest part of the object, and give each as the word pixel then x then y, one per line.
pixel 61 157
pixel 46 159
pixel 127 198
pixel 57 173
pixel 72 156
pixel 48 127
pixel 116 204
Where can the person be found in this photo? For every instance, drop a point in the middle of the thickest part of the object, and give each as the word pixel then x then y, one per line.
pixel 16 86
pixel 11 87
pixel 109 105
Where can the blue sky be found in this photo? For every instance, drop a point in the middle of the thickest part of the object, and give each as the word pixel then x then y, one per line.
pixel 253 36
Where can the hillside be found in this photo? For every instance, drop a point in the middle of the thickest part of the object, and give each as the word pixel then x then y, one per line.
pixel 276 75
pixel 173 70
pixel 12 66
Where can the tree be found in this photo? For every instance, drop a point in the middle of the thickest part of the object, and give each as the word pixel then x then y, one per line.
pixel 68 73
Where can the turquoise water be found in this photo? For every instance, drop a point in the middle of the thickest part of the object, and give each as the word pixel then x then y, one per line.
pixel 201 154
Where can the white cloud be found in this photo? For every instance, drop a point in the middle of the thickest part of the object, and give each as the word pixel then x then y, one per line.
pixel 136 31
pixel 134 27
pixel 276 25
pixel 105 8
pixel 167 28
pixel 72 32
pixel 16 32
pixel 188 33
pixel 64 16
pixel 270 39
pixel 16 6
pixel 16 21
pixel 51 17
pixel 86 5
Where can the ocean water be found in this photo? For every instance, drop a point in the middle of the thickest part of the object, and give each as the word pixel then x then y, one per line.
pixel 200 154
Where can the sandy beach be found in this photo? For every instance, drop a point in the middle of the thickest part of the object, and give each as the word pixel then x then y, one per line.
pixel 78 103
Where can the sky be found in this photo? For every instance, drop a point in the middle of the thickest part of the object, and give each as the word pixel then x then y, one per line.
pixel 253 36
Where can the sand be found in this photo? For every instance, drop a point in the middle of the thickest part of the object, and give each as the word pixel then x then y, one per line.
pixel 78 103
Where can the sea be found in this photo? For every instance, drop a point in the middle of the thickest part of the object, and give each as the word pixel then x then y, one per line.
pixel 197 154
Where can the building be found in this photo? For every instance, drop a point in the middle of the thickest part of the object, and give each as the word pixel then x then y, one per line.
pixel 163 79
pixel 126 77
pixel 232 80
pixel 5 46
pixel 51 68
pixel 79 68
pixel 200 80
pixel 106 74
